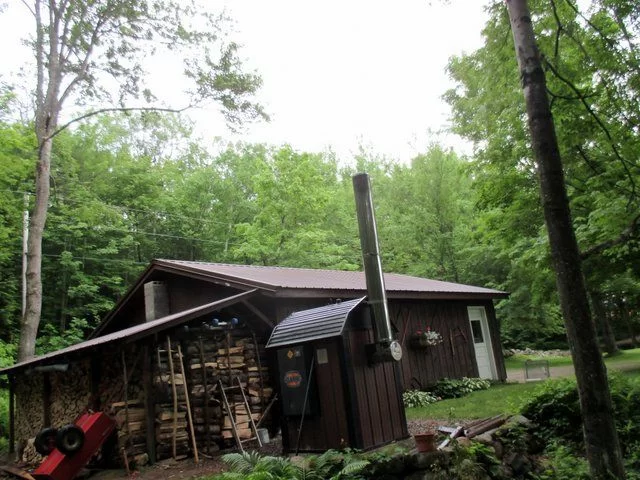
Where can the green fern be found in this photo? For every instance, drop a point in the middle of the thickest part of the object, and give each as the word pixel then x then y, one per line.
pixel 351 468
pixel 243 462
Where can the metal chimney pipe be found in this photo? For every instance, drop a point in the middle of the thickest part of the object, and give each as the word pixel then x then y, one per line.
pixel 385 347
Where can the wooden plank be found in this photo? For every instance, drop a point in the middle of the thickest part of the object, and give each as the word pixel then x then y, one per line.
pixel 189 418
pixel 359 363
pixel 454 434
pixel 175 398
pixel 149 403
pixel 12 414
pixel 46 398
pixel 16 471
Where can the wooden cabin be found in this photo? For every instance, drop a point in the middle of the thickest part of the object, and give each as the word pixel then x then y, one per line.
pixel 217 311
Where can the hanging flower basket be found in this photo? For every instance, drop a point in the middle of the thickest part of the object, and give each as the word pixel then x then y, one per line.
pixel 425 339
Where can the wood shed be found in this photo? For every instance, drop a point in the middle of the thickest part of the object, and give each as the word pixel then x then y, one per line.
pixel 122 366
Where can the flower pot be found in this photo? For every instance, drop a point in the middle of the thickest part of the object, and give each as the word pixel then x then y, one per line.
pixel 425 442
pixel 418 342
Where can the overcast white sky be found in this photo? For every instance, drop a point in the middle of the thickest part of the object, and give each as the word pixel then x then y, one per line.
pixel 337 73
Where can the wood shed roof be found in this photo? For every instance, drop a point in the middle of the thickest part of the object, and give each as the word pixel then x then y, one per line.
pixel 132 333
pixel 286 281
pixel 289 282
pixel 313 324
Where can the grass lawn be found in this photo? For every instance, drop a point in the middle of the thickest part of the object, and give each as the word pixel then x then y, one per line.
pixel 625 356
pixel 502 398
pixel 507 398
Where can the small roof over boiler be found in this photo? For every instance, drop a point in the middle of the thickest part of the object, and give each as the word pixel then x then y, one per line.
pixel 313 324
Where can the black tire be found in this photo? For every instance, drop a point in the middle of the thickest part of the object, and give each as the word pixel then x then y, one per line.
pixel 69 439
pixel 45 441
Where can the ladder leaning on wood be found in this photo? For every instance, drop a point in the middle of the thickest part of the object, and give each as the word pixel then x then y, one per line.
pixel 231 411
pixel 170 353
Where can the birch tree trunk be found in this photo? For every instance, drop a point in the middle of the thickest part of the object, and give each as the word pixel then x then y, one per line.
pixel 48 105
pixel 31 319
pixel 67 34
pixel 601 439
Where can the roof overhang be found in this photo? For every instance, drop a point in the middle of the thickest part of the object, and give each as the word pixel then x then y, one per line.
pixel 313 324
pixel 132 334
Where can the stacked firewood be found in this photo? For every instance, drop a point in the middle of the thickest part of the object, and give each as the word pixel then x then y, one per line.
pixel 171 419
pixel 131 427
pixel 205 405
pixel 240 362
pixel 213 359
pixel 68 400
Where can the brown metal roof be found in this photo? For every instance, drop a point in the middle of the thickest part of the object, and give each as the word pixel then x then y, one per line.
pixel 313 324
pixel 136 332
pixel 286 278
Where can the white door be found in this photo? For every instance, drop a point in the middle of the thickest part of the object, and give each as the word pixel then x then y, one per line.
pixel 482 342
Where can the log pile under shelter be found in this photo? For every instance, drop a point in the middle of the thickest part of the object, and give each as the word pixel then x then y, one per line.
pixel 189 409
pixel 190 369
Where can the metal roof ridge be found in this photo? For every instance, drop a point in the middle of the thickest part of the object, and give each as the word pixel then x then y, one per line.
pixel 271 267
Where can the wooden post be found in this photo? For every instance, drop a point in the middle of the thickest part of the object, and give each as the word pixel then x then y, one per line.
pixel 96 373
pixel 126 392
pixel 186 398
pixel 46 399
pixel 206 395
pixel 12 414
pixel 175 396
pixel 149 404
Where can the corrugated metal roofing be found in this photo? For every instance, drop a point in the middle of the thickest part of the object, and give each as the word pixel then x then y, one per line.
pixel 276 278
pixel 312 324
pixel 138 331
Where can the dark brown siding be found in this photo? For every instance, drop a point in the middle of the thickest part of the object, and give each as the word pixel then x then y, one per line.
pixel 376 393
pixel 453 358
pixel 495 340
pixel 329 428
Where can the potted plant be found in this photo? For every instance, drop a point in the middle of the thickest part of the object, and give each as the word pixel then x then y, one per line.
pixel 425 442
pixel 425 338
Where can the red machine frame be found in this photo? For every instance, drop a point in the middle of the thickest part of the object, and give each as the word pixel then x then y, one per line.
pixel 57 466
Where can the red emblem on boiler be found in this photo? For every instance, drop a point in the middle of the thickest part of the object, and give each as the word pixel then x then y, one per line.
pixel 292 379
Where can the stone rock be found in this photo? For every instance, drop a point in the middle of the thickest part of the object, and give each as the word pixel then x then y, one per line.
pixel 486 437
pixel 424 475
pixel 463 442
pixel 501 472
pixel 498 447
pixel 390 467
pixel 428 460
pixel 516 420
pixel 519 463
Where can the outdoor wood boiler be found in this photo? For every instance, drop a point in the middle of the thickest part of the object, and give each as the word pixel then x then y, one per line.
pixel 337 365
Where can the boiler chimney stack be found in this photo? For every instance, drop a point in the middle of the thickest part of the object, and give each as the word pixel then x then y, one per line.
pixel 385 347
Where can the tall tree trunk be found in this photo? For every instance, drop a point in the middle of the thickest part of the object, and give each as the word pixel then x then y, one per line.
pixel 31 318
pixel 601 439
pixel 608 338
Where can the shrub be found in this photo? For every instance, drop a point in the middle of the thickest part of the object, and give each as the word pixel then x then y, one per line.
pixel 455 388
pixel 564 464
pixel 555 407
pixel 417 398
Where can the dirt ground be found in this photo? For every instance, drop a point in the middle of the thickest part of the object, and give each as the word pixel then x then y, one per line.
pixel 188 469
